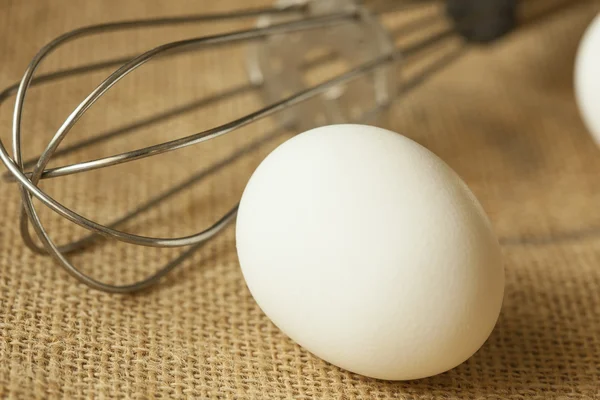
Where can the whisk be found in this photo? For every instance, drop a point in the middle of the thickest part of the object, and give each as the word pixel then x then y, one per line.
pixel 289 38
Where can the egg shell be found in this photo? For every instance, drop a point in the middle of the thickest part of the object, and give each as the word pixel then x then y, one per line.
pixel 370 252
pixel 587 78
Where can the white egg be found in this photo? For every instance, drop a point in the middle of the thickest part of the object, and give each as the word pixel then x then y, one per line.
pixel 370 252
pixel 587 78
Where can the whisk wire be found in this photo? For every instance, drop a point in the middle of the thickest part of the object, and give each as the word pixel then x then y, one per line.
pixel 223 222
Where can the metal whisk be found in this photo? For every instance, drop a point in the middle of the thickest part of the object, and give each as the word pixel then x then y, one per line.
pixel 277 64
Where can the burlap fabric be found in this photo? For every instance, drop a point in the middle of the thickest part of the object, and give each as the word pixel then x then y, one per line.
pixel 504 117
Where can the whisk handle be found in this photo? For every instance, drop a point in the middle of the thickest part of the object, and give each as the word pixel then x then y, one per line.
pixel 483 21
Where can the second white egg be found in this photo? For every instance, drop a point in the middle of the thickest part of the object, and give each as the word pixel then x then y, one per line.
pixel 587 78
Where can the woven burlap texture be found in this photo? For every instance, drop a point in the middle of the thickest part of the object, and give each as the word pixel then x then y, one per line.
pixel 504 117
